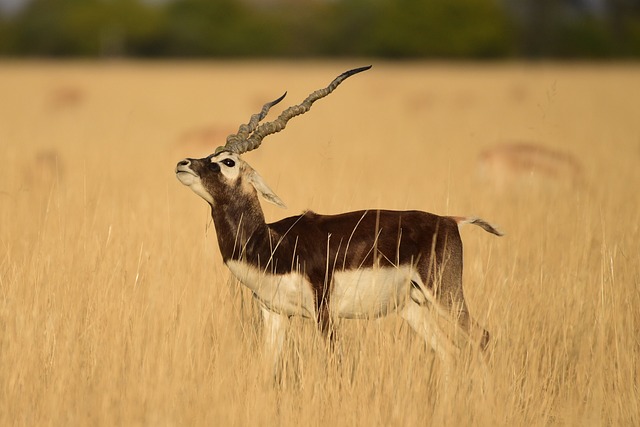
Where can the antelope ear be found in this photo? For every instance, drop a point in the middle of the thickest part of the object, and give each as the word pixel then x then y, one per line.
pixel 263 189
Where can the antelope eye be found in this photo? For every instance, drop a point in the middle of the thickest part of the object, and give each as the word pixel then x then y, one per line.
pixel 228 162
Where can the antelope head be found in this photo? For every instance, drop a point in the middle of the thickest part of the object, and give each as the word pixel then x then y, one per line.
pixel 223 176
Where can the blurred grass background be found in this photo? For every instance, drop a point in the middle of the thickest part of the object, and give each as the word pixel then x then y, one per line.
pixel 115 308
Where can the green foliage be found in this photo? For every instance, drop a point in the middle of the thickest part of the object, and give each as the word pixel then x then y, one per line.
pixel 208 28
pixel 83 27
pixel 386 28
pixel 439 28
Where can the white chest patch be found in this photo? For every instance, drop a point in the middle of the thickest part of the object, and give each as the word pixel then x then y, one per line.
pixel 361 293
pixel 289 294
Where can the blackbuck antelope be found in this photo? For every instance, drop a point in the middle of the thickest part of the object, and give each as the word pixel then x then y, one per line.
pixel 363 264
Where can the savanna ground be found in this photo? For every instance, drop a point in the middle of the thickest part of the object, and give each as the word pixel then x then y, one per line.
pixel 115 308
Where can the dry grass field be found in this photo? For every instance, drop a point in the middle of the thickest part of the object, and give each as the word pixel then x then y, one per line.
pixel 115 308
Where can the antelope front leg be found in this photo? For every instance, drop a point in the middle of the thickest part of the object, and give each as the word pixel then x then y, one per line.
pixel 274 330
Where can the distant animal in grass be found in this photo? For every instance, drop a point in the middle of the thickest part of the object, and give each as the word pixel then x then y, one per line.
pixel 44 169
pixel 518 166
pixel 65 97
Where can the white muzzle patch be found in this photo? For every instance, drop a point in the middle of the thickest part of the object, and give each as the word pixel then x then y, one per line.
pixel 187 177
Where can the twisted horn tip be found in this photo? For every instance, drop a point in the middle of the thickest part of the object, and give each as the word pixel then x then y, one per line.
pixel 355 71
pixel 278 100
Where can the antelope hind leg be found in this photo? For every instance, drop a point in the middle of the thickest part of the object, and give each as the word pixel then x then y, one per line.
pixel 421 321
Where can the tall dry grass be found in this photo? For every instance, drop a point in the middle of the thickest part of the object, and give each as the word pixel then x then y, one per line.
pixel 115 308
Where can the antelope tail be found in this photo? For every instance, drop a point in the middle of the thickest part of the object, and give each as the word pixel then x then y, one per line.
pixel 479 222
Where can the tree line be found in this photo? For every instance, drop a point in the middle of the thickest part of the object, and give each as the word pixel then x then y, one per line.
pixel 322 28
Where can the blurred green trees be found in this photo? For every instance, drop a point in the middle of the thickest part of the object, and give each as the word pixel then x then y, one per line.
pixel 81 28
pixel 290 28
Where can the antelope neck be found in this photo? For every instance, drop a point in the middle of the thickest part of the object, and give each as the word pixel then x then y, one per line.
pixel 239 227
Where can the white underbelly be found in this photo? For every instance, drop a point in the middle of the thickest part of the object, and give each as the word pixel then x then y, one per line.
pixel 358 293
pixel 370 292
